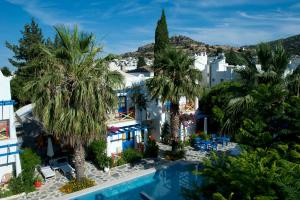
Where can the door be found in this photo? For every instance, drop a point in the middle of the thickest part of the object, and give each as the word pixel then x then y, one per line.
pixel 128 142
pixel 122 108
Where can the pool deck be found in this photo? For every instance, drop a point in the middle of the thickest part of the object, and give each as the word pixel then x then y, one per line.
pixel 50 190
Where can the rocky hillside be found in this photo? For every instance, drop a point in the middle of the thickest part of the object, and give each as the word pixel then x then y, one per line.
pixel 290 44
pixel 180 42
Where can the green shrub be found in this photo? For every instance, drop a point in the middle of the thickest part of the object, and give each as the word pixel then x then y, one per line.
pixel 169 155
pixel 131 155
pixel 75 185
pixel 5 193
pixel 120 161
pixel 25 181
pixel 151 150
pixel 98 155
pixel 192 139
pixel 165 133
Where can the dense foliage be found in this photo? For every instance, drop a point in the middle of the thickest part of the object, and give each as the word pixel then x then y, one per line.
pixel 25 181
pixel 151 149
pixel 131 155
pixel 98 154
pixel 141 62
pixel 165 133
pixel 26 52
pixel 74 92
pixel 234 58
pixel 176 77
pixel 214 103
pixel 262 112
pixel 5 71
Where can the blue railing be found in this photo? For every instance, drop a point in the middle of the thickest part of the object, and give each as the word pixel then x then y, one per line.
pixel 10 153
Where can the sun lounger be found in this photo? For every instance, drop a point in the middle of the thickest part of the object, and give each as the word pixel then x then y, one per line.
pixel 62 165
pixel 47 172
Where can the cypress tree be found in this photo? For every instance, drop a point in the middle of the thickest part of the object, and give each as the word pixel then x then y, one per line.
pixel 141 62
pixel 161 36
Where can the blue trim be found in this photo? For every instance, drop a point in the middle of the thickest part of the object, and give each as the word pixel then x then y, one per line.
pixel 6 103
pixel 11 153
pixel 127 129
pixel 9 145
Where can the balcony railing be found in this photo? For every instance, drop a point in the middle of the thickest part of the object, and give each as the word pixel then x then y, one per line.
pixel 121 117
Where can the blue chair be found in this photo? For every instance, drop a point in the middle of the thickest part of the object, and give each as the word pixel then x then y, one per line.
pixel 214 146
pixel 214 137
pixel 201 147
pixel 223 140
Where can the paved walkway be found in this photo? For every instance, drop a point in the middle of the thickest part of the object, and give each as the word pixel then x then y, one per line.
pixel 50 190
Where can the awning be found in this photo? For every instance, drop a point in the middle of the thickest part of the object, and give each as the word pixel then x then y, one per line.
pixel 126 129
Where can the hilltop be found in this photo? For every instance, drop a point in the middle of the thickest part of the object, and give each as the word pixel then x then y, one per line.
pixel 180 42
pixel 291 45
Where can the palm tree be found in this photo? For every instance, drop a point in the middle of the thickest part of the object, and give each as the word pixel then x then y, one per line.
pixel 139 99
pixel 264 97
pixel 74 92
pixel 175 78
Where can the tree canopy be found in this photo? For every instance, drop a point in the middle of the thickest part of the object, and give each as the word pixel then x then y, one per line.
pixel 5 71
pixel 74 92
pixel 161 36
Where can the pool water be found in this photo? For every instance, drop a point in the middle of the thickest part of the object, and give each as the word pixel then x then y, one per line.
pixel 164 184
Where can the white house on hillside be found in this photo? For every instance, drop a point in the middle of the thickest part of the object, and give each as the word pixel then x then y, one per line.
pixel 9 151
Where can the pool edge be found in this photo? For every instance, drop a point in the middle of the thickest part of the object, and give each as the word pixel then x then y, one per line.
pixel 106 184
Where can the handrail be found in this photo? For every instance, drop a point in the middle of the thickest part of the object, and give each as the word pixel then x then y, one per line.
pixel 11 153
pixel 9 145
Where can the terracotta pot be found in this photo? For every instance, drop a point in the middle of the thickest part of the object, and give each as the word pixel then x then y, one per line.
pixel 37 184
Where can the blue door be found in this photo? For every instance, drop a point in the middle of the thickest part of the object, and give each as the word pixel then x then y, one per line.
pixel 122 108
pixel 129 141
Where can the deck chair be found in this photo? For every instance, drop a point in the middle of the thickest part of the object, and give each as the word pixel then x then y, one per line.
pixel 47 172
pixel 62 165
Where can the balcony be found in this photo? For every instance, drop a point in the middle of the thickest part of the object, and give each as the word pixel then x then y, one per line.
pixel 118 117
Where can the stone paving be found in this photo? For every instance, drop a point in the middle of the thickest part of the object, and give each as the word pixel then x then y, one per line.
pixel 50 190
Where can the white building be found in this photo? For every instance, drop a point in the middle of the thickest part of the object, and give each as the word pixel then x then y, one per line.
pixel 9 151
pixel 128 126
pixel 293 64
pixel 221 71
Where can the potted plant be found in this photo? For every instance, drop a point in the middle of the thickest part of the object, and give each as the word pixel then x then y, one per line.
pixel 38 182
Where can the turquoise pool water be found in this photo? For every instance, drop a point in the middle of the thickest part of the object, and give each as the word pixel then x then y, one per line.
pixel 164 184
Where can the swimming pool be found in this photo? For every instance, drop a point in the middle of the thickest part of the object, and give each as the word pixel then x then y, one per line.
pixel 165 183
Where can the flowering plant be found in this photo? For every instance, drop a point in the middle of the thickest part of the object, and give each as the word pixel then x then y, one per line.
pixel 113 129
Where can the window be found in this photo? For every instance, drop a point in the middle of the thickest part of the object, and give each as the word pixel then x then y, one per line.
pixel 4 129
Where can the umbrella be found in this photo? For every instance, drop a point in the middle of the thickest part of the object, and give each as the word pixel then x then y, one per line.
pixel 50 151
pixel 205 125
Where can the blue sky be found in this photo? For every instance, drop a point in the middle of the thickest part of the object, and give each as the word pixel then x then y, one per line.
pixel 124 25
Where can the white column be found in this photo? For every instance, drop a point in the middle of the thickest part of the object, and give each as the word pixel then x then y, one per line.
pixel 18 165
pixel 135 140
pixel 108 152
pixel 145 137
pixel 196 103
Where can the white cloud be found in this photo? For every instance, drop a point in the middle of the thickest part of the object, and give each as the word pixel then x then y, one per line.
pixel 45 12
